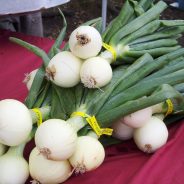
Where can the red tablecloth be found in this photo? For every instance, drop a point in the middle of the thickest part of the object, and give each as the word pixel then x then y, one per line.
pixel 124 163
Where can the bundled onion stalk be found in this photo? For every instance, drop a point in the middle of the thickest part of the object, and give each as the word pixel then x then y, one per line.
pixel 84 115
pixel 138 30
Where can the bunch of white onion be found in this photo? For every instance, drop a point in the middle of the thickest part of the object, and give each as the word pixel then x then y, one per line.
pixel 85 42
pixel 145 127
pixel 59 151
pixel 80 64
pixel 88 155
pixel 59 148
pixel 56 142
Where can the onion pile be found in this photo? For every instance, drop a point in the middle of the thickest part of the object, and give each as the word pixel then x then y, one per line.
pixel 85 42
pixel 147 129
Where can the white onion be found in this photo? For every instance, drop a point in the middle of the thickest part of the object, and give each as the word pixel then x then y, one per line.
pixel 151 136
pixel 138 118
pixel 29 79
pixel 122 131
pixel 95 72
pixel 85 42
pixel 15 122
pixel 48 171
pixel 13 168
pixel 89 154
pixel 64 69
pixel 56 139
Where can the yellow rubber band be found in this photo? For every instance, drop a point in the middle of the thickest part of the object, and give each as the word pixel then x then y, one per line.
pixel 170 107
pixel 110 49
pixel 38 115
pixel 94 124
pixel 107 131
pixel 82 114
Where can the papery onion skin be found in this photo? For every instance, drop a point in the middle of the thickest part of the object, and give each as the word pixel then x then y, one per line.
pixel 95 72
pixel 151 136
pixel 85 42
pixel 64 69
pixel 29 78
pixel 56 139
pixel 15 122
pixel 48 171
pixel 89 154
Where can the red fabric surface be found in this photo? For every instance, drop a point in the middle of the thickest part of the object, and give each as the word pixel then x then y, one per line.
pixel 124 163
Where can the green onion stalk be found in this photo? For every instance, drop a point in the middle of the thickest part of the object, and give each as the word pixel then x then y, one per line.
pixel 113 103
pixel 130 38
pixel 118 97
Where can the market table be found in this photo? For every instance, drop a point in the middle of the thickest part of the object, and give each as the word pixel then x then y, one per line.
pixel 124 163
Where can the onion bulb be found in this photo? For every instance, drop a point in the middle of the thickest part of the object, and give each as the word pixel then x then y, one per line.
pixel 64 69
pixel 15 122
pixel 29 79
pixel 47 171
pixel 95 72
pixel 13 167
pixel 122 131
pixel 85 42
pixel 151 136
pixel 138 118
pixel 56 139
pixel 89 154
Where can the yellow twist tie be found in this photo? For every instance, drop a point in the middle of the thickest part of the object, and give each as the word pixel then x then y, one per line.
pixel 38 115
pixel 170 107
pixel 110 49
pixel 94 124
pixel 82 114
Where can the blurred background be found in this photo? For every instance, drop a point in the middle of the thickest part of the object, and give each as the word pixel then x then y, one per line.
pixel 80 11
